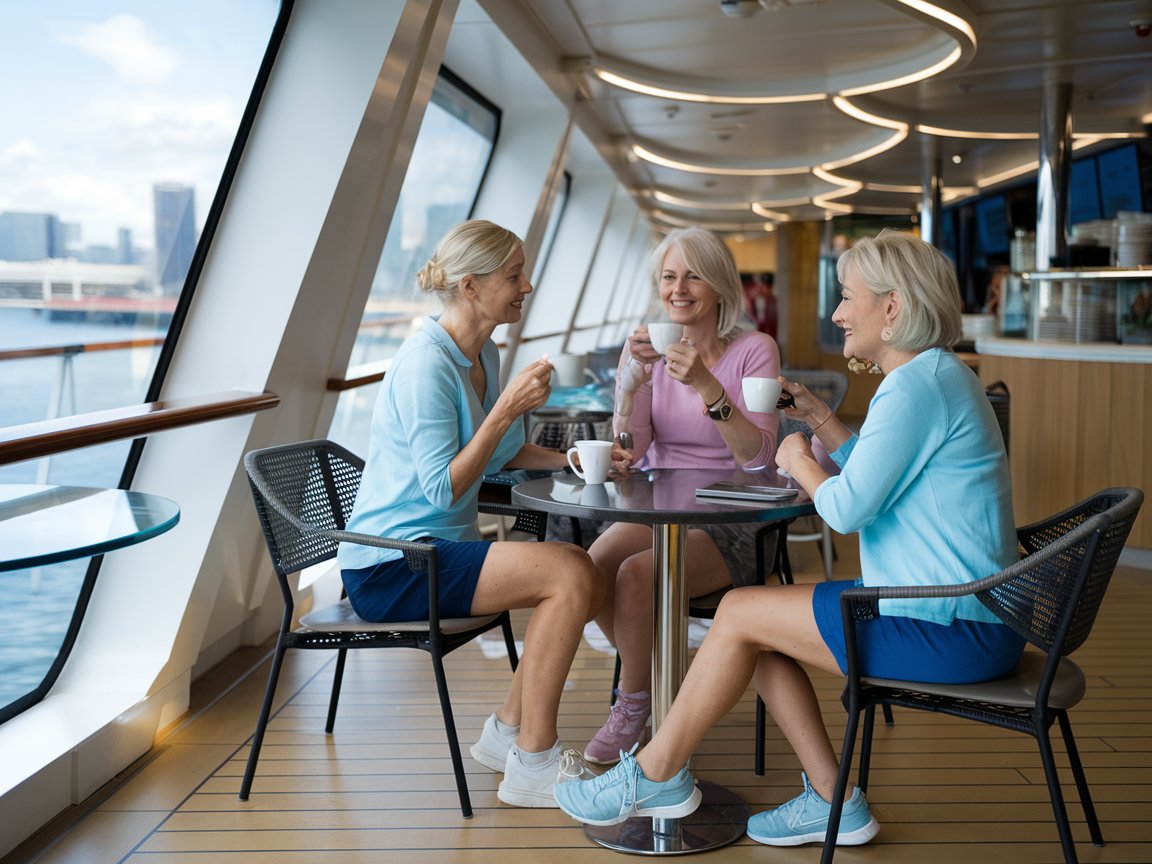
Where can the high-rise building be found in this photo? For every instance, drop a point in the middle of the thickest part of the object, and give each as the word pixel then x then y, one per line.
pixel 27 236
pixel 124 251
pixel 175 216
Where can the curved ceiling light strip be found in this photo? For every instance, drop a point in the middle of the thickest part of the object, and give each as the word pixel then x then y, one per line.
pixel 871 116
pixel 1012 173
pixel 696 204
pixel 948 17
pixel 895 138
pixel 949 192
pixel 679 222
pixel 678 164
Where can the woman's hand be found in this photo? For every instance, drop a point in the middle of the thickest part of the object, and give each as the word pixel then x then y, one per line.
pixel 528 390
pixel 793 448
pixel 683 363
pixel 808 408
pixel 640 347
pixel 621 459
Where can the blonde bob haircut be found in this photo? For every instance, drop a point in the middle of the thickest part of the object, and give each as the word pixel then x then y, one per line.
pixel 921 276
pixel 707 257
pixel 476 247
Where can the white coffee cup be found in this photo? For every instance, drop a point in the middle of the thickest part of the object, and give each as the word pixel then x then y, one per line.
pixel 662 334
pixel 569 369
pixel 595 460
pixel 761 394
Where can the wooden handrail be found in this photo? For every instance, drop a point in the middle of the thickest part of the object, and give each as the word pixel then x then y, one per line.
pixel 48 437
pixel 78 348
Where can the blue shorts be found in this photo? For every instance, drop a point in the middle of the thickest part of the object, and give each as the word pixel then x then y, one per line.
pixel 893 646
pixel 391 591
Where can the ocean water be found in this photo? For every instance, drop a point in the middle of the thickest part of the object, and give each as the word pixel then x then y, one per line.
pixel 37 604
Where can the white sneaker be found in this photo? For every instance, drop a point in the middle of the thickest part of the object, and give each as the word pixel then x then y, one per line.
pixel 530 785
pixel 573 767
pixel 491 750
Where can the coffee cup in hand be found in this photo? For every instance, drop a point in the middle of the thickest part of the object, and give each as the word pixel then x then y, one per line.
pixel 595 459
pixel 569 369
pixel 761 394
pixel 662 334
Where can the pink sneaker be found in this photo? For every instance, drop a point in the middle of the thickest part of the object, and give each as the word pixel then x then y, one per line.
pixel 625 727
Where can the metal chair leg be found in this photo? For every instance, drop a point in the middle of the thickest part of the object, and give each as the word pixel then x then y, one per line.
pixel 453 740
pixel 1081 780
pixel 262 722
pixel 337 680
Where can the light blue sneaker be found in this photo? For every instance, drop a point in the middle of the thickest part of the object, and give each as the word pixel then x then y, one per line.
pixel 804 819
pixel 623 792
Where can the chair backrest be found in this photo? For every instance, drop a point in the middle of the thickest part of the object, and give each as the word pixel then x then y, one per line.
pixel 301 490
pixel 828 384
pixel 1053 599
pixel 1001 402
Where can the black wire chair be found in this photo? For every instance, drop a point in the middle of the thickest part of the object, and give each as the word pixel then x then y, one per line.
pixel 304 495
pixel 1050 597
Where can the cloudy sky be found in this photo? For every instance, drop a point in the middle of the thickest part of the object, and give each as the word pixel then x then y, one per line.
pixel 102 99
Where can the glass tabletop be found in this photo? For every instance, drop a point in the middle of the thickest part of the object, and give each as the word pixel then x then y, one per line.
pixel 42 525
pixel 663 495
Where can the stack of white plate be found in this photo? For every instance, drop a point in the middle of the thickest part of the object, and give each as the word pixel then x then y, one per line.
pixel 977 326
pixel 1133 239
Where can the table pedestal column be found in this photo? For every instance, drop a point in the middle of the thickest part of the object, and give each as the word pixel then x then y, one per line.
pixel 722 815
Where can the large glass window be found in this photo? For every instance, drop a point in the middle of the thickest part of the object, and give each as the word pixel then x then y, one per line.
pixel 449 159
pixel 119 116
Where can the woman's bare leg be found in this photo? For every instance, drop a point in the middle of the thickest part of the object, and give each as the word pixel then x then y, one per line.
pixel 562 586
pixel 707 572
pixel 750 622
pixel 615 544
pixel 789 697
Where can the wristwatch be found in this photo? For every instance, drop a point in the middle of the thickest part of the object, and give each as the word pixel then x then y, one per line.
pixel 722 411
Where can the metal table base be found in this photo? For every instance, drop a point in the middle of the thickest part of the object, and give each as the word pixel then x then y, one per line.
pixel 719 820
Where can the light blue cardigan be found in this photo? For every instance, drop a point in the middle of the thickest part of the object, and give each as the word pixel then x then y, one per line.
pixel 426 412
pixel 926 484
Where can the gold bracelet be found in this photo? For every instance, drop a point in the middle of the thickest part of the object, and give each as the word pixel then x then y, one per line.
pixel 717 401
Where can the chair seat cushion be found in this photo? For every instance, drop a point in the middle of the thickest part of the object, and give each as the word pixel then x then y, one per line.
pixel 339 618
pixel 1017 688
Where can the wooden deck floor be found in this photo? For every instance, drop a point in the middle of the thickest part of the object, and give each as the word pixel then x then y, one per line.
pixel 380 789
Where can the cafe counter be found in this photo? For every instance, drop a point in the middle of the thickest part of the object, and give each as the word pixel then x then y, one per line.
pixel 1081 420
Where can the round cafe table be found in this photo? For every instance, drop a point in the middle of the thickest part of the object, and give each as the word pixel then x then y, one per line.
pixel 42 525
pixel 666 499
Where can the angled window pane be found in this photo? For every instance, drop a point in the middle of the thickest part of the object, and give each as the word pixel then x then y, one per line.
pixel 448 162
pixel 112 148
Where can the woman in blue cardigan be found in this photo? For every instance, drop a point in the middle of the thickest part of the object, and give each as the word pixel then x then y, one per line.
pixel 926 486
pixel 440 423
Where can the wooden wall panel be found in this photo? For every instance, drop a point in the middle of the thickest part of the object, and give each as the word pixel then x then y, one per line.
pixel 1076 428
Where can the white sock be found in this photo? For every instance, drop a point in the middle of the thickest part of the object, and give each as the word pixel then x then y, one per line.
pixel 541 758
pixel 506 730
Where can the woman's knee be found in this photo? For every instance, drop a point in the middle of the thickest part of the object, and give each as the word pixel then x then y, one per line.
pixel 578 575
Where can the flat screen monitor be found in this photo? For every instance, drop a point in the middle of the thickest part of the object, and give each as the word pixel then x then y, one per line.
pixel 1084 192
pixel 992 225
pixel 1120 183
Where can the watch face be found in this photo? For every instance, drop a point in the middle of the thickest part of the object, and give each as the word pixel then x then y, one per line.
pixel 723 412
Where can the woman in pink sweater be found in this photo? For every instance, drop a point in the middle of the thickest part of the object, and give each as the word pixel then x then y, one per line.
pixel 683 410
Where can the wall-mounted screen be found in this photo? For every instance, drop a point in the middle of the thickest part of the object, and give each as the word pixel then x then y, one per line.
pixel 992 225
pixel 1120 184
pixel 1084 192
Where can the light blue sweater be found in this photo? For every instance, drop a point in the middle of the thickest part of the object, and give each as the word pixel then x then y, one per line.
pixel 927 486
pixel 426 412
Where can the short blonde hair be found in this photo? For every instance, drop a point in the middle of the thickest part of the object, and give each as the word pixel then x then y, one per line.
pixel 476 247
pixel 921 276
pixel 707 257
